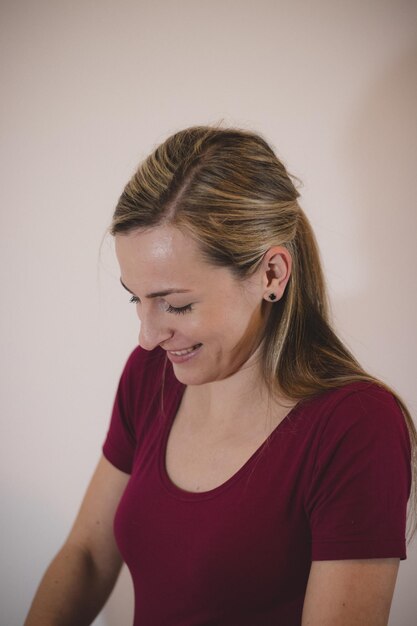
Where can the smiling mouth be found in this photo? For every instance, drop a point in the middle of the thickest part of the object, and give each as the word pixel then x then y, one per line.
pixel 185 350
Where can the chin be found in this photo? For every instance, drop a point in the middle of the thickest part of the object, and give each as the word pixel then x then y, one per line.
pixel 201 370
pixel 191 377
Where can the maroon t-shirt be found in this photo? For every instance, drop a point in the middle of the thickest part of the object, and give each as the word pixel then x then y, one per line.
pixel 331 482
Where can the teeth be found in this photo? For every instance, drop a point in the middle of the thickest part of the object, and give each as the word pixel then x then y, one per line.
pixel 181 352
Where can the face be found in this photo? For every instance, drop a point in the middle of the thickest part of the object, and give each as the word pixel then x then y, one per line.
pixel 207 306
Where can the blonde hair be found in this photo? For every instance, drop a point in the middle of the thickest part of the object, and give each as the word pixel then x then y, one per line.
pixel 226 188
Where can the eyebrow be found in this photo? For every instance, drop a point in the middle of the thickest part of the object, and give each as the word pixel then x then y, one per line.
pixel 158 294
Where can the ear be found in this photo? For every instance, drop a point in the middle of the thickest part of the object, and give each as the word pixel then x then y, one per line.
pixel 276 271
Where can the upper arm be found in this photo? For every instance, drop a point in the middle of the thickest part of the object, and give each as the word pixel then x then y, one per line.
pixel 350 592
pixel 93 527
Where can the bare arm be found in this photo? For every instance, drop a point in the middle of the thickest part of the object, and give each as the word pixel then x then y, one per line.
pixel 79 580
pixel 350 593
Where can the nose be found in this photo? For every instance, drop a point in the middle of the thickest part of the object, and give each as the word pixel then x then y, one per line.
pixel 152 331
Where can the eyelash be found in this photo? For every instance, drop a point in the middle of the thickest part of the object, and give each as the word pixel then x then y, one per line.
pixel 179 310
pixel 170 309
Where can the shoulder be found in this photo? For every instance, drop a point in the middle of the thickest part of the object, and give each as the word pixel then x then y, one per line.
pixel 365 402
pixel 359 418
pixel 144 366
pixel 147 374
pixel 141 386
pixel 359 473
pixel 140 358
pixel 142 377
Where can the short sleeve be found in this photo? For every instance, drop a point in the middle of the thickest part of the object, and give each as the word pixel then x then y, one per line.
pixel 119 445
pixel 360 485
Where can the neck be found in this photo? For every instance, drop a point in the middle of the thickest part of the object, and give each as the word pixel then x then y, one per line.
pixel 240 398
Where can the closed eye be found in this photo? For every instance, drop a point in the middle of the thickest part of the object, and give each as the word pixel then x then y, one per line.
pixel 169 309
pixel 178 310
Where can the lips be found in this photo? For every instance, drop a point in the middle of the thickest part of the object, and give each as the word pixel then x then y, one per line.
pixel 182 351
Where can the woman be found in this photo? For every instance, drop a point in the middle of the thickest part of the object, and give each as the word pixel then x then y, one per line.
pixel 255 473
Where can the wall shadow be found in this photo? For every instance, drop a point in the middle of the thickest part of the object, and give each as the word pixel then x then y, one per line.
pixel 379 154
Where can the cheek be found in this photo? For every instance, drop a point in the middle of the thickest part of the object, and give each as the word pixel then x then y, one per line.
pixel 190 325
pixel 218 324
pixel 227 327
pixel 221 322
pixel 245 326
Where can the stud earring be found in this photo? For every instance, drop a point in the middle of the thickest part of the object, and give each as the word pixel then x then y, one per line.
pixel 272 296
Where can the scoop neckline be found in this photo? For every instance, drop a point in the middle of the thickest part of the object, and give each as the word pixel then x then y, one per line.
pixel 184 494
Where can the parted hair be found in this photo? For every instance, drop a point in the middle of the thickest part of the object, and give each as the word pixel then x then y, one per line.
pixel 227 189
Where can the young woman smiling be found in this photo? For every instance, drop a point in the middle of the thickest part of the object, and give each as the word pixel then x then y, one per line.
pixel 254 473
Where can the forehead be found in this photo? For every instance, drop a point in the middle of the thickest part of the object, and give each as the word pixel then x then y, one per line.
pixel 162 254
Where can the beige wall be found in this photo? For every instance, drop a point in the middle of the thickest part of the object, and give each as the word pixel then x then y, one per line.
pixel 88 88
